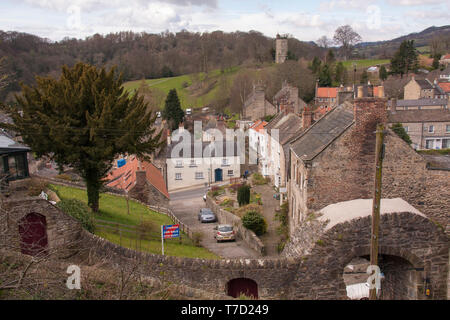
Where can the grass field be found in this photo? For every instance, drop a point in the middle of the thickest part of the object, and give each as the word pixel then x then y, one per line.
pixel 114 209
pixel 180 83
pixel 360 64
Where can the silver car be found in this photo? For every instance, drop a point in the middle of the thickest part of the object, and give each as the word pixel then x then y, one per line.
pixel 224 232
pixel 206 215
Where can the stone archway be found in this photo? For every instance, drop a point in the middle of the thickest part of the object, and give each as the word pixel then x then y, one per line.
pixel 33 234
pixel 246 286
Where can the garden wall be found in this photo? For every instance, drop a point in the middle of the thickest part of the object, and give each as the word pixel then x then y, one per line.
pixel 245 234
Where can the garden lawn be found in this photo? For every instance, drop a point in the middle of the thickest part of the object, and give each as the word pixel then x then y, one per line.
pixel 363 64
pixel 114 209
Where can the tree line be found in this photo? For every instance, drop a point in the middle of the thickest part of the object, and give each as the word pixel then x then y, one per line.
pixel 139 55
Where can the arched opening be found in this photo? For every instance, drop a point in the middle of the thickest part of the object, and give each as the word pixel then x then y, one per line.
pixel 245 286
pixel 33 234
pixel 398 278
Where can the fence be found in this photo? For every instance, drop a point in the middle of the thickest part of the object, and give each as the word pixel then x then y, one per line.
pixel 130 236
pixel 163 210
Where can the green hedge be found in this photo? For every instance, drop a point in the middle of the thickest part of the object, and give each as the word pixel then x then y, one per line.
pixel 252 220
pixel 78 210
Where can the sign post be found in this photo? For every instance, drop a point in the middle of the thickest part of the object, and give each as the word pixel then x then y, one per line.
pixel 168 232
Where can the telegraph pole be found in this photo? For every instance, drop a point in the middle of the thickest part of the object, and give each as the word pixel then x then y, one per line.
pixel 379 154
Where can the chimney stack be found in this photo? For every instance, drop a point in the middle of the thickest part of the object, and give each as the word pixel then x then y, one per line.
pixel 394 105
pixel 307 118
pixel 368 112
pixel 380 91
pixel 360 92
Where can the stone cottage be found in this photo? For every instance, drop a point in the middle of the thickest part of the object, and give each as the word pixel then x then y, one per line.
pixel 256 106
pixel 333 161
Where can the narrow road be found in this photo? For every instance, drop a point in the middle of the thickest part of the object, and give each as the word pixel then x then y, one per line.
pixel 186 205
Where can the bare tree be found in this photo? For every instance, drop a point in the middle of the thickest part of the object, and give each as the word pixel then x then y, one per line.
pixel 436 46
pixel 324 42
pixel 347 38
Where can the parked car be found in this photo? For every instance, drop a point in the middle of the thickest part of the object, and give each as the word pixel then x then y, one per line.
pixel 224 232
pixel 188 111
pixel 158 114
pixel 206 215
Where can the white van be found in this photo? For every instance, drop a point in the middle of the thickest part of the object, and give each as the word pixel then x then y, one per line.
pixel 188 111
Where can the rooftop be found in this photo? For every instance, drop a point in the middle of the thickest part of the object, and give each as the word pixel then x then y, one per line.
pixel 326 92
pixel 7 144
pixel 323 132
pixel 420 102
pixel 209 149
pixel 348 210
pixel 409 116
pixel 288 126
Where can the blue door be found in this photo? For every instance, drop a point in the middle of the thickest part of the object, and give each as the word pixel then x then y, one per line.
pixel 218 174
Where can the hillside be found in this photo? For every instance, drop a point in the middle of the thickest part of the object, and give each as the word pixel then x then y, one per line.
pixel 382 49
pixel 140 55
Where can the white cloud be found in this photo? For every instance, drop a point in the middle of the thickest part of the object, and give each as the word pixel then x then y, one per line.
pixel 413 2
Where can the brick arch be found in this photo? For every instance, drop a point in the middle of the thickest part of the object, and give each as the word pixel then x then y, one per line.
pixel 411 237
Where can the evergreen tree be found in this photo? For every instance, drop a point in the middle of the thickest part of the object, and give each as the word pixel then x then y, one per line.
pixel 330 57
pixel 315 66
pixel 243 196
pixel 405 59
pixel 383 74
pixel 339 76
pixel 325 76
pixel 436 59
pixel 84 120
pixel 172 111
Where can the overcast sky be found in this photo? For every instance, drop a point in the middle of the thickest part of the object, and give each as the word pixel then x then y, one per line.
pixel 306 20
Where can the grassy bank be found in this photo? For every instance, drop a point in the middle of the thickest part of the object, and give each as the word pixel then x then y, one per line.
pixel 114 209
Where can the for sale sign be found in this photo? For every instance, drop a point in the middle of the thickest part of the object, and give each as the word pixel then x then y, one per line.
pixel 171 231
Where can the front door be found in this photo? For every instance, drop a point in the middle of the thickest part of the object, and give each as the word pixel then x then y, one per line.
pixel 218 175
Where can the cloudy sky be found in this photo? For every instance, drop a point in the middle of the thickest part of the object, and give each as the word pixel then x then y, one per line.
pixel 306 20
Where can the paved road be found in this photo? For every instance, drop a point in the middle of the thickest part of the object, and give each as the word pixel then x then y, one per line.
pixel 186 205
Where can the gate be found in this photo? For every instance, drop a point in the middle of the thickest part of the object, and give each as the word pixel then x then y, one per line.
pixel 33 234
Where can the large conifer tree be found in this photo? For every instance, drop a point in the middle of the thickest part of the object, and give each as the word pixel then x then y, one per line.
pixel 172 111
pixel 84 120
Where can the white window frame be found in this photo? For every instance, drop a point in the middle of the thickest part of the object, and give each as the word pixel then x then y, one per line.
pixel 230 174
pixel 447 128
pixel 199 175
pixel 178 176
pixel 179 164
pixel 431 127
pixel 432 142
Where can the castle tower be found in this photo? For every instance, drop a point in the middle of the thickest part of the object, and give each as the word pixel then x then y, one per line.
pixel 281 49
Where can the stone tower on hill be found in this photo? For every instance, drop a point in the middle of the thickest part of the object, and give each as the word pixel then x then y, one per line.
pixel 281 45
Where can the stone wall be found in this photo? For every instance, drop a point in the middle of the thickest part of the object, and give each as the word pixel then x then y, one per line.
pixel 272 276
pixel 245 234
pixel 63 231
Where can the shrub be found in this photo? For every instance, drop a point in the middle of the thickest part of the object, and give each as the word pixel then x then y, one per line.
pixel 243 195
pixel 254 221
pixel 258 179
pixel 78 210
pixel 249 207
pixel 227 202
pixel 36 186
pixel 400 131
pixel 147 227
pixel 197 238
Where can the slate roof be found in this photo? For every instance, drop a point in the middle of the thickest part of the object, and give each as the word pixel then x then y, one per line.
pixel 9 145
pixel 323 132
pixel 207 148
pixel 409 116
pixel 420 102
pixel 425 84
pixel 289 126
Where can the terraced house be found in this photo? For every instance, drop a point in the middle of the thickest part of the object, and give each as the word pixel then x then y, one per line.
pixel 333 161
